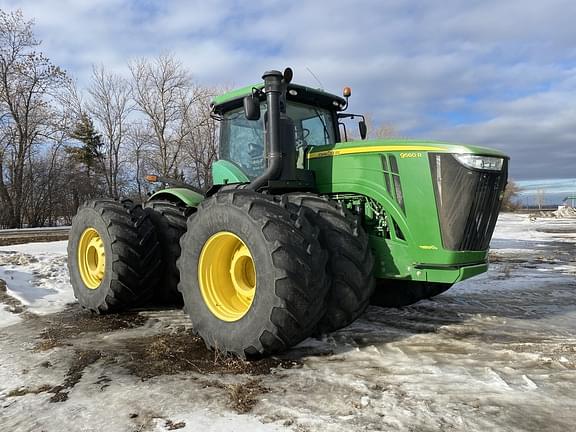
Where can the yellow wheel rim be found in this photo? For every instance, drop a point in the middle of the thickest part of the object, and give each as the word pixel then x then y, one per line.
pixel 91 258
pixel 227 276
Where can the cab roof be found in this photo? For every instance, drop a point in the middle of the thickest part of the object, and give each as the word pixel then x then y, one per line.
pixel 296 92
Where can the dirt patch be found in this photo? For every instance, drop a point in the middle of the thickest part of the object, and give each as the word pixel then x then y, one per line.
pixel 145 356
pixel 145 353
pixel 74 322
pixel 494 258
pixel 150 420
pixel 171 425
pixel 169 354
pixel 243 397
pixel 82 360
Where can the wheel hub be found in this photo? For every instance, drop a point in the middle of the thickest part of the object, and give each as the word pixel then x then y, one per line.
pixel 227 276
pixel 91 258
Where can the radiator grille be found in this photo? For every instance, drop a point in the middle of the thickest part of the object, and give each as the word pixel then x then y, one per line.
pixel 468 202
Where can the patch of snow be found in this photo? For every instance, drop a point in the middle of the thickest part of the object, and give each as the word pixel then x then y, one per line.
pixel 565 212
pixel 8 318
pixel 55 248
pixel 36 275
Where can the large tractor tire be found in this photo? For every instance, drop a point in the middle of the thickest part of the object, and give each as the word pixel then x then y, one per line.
pixel 390 293
pixel 350 259
pixel 169 218
pixel 253 274
pixel 113 256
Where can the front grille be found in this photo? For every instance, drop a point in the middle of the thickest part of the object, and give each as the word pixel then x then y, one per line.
pixel 468 202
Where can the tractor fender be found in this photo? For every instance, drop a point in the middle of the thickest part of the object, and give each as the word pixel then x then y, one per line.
pixel 227 172
pixel 183 195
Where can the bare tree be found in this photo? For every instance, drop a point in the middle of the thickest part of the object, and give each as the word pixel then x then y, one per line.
pixel 28 82
pixel 540 198
pixel 139 155
pixel 382 131
pixel 110 105
pixel 509 199
pixel 165 93
pixel 202 145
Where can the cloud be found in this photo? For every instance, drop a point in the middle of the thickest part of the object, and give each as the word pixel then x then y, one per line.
pixel 484 72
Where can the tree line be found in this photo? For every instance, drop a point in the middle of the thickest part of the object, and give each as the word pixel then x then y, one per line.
pixel 61 145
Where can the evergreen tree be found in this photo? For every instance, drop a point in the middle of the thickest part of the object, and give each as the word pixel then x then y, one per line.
pixel 90 153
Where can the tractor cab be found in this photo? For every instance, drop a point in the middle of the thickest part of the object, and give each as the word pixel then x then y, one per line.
pixel 243 153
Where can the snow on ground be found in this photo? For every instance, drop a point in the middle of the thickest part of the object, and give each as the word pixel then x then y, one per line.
pixel 36 275
pixel 496 352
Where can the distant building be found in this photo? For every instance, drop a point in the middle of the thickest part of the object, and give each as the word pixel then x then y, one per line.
pixel 570 201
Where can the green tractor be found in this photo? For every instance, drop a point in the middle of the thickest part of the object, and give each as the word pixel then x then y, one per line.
pixel 301 230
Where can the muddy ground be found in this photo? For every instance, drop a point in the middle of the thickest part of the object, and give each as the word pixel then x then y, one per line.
pixel 497 352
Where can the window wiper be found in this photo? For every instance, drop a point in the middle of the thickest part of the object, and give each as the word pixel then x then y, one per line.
pixel 326 134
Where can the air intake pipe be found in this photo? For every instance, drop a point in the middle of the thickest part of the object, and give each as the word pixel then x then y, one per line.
pixel 275 84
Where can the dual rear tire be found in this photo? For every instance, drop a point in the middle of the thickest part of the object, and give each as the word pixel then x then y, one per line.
pixel 255 280
pixel 113 256
pixel 350 259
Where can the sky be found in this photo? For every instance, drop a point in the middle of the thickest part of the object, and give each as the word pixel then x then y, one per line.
pixel 549 192
pixel 496 73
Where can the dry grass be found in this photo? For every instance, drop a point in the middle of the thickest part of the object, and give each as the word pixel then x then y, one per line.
pixel 62 327
pixel 244 396
pixel 169 354
pixel 27 390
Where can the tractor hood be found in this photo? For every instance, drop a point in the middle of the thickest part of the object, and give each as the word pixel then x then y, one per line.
pixel 405 148
pixel 435 203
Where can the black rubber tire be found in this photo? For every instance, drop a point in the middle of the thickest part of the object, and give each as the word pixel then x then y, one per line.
pixel 291 282
pixel 169 218
pixel 132 255
pixel 350 260
pixel 391 293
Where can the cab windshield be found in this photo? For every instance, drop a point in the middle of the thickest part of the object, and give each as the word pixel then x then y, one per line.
pixel 242 140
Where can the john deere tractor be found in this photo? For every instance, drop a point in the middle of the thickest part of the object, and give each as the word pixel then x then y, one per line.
pixel 301 230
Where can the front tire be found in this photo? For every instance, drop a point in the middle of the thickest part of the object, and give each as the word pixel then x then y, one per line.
pixel 113 256
pixel 252 274
pixel 350 259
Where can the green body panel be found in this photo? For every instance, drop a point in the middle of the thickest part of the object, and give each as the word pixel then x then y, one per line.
pixel 356 168
pixel 186 196
pixel 224 172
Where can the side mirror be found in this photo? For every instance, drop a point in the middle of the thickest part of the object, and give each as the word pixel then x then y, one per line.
pixel 288 75
pixel 363 129
pixel 252 107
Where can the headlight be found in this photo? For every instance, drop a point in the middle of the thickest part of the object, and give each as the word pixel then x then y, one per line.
pixel 488 163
